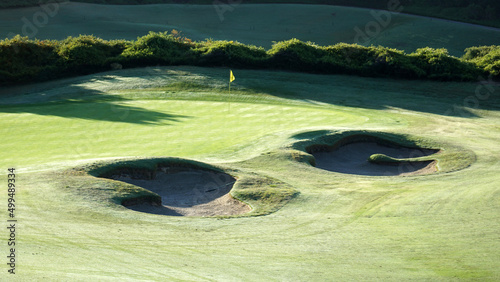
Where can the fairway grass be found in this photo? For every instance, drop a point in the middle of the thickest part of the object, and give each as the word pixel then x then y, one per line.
pixel 441 226
pixel 254 24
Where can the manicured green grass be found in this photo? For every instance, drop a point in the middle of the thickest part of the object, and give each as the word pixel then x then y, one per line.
pixel 258 25
pixel 336 227
pixel 448 10
pixel 381 158
pixel 339 227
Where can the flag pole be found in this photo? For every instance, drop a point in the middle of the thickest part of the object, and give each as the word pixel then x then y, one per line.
pixel 229 97
pixel 231 78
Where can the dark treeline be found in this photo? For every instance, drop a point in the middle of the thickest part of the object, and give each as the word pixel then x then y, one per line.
pixel 485 12
pixel 23 60
pixel 25 3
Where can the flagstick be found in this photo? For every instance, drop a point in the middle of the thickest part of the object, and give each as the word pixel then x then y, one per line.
pixel 231 78
pixel 229 103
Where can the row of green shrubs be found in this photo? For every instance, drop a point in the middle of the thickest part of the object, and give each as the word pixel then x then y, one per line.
pixel 23 60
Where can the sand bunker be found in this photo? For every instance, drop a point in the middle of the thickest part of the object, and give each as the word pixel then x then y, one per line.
pixel 353 159
pixel 188 192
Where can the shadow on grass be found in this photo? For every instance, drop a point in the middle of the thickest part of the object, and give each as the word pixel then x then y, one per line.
pixel 160 210
pixel 378 94
pixel 103 111
pixel 457 99
pixel 74 101
pixel 441 98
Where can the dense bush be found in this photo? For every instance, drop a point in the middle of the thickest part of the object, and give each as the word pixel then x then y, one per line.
pixel 438 64
pixel 158 48
pixel 486 57
pixel 23 60
pixel 369 61
pixel 88 53
pixel 472 53
pixel 295 55
pixel 394 63
pixel 229 53
pixel 350 58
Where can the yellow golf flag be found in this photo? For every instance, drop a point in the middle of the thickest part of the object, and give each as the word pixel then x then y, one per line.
pixel 231 76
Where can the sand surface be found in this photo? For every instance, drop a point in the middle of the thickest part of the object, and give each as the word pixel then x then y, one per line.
pixel 190 193
pixel 353 159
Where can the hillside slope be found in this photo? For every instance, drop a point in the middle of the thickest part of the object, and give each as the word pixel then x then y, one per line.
pixel 251 24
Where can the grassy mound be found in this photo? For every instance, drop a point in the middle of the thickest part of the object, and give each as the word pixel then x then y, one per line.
pixel 265 195
pixel 450 157
pixel 383 159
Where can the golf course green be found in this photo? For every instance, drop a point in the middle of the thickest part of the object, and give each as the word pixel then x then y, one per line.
pixel 254 24
pixel 84 148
